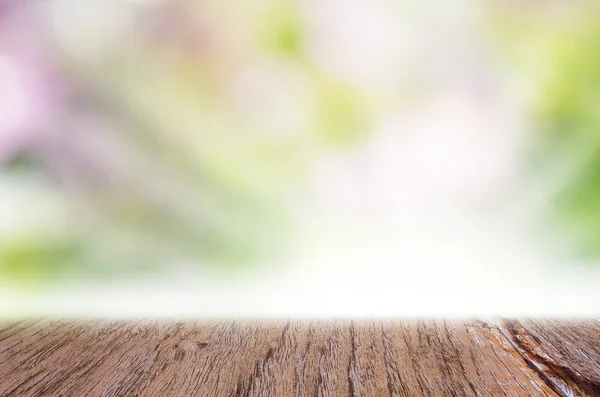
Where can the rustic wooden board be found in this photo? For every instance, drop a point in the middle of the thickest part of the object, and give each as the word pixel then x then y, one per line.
pixel 300 358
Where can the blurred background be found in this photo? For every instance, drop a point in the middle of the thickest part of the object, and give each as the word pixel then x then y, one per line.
pixel 309 157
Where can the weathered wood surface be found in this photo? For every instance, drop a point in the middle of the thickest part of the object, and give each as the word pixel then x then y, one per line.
pixel 299 358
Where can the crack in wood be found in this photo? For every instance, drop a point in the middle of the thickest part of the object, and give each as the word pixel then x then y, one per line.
pixel 563 380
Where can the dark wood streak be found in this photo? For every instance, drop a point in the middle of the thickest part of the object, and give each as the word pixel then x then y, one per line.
pixel 352 363
pixel 563 379
pixel 300 358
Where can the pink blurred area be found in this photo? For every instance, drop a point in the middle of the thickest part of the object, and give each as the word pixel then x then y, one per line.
pixel 32 88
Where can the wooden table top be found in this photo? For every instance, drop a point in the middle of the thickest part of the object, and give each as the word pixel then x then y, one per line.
pixel 300 358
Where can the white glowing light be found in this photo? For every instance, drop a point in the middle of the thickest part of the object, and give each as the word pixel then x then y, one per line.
pixel 90 30
pixel 451 149
pixel 276 99
pixel 360 41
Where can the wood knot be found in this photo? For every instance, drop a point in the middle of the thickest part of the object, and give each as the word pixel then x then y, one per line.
pixel 189 345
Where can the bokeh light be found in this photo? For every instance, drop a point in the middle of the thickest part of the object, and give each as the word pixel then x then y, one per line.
pixel 306 148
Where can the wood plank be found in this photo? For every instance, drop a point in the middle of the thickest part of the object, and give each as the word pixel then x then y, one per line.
pixel 299 358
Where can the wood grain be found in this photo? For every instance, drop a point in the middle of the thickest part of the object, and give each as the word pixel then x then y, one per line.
pixel 300 358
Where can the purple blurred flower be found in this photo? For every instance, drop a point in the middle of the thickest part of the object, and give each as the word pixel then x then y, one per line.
pixel 5 7
pixel 30 90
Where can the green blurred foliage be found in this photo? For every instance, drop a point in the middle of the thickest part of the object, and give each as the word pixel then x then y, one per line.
pixel 343 112
pixel 566 117
pixel 40 259
pixel 281 30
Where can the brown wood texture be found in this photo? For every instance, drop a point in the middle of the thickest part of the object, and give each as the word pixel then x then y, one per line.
pixel 300 358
